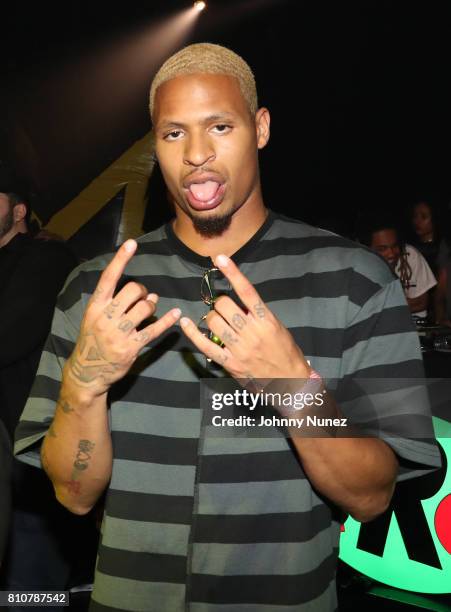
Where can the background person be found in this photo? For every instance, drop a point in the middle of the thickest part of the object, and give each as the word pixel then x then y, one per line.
pixel 32 272
pixel 417 279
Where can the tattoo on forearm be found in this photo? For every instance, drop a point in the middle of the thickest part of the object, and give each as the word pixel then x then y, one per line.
pixel 73 487
pixel 238 321
pixel 259 310
pixel 65 407
pixel 126 325
pixel 81 463
pixel 85 448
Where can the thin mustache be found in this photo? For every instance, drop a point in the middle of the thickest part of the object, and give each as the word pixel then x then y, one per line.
pixel 203 170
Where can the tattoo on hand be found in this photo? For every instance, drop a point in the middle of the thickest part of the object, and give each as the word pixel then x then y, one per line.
pixel 96 296
pixel 238 321
pixel 259 310
pixel 87 374
pixel 126 325
pixel 110 310
pixel 93 354
pixel 89 351
pixel 228 338
pixel 142 337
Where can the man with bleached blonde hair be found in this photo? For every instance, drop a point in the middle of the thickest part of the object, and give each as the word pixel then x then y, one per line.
pixel 208 59
pixel 199 516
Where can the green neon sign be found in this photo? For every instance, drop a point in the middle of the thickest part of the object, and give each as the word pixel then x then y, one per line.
pixel 394 567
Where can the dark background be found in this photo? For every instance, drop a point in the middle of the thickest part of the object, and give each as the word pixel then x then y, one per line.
pixel 358 93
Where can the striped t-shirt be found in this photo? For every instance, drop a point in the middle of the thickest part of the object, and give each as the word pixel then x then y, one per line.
pixel 227 524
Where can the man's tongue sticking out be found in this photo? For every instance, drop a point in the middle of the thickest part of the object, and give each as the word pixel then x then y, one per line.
pixel 204 191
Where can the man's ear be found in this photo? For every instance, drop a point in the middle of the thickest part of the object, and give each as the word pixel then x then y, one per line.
pixel 20 212
pixel 262 122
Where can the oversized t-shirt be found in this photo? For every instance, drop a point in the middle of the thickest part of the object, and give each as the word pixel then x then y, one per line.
pixel 211 524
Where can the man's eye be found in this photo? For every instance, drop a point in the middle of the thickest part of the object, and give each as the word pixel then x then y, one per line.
pixel 174 135
pixel 221 128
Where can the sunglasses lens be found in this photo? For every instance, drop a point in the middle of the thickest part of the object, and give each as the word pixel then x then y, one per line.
pixel 214 284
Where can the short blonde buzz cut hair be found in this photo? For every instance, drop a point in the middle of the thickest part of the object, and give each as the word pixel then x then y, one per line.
pixel 206 58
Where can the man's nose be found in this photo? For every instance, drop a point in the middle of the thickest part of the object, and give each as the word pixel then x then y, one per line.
pixel 390 252
pixel 198 150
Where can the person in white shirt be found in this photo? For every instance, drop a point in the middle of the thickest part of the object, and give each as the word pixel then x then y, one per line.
pixel 408 264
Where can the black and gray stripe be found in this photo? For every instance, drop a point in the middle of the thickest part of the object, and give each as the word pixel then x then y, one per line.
pixel 228 525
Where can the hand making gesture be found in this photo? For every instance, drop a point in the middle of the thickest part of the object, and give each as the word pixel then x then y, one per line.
pixel 109 341
pixel 256 344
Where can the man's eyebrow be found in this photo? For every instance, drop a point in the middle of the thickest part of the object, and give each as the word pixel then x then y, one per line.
pixel 170 124
pixel 219 117
pixel 211 118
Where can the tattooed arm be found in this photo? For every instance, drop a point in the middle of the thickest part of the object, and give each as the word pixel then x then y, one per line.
pixel 77 450
pixel 77 453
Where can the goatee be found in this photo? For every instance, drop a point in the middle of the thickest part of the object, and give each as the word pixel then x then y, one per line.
pixel 211 226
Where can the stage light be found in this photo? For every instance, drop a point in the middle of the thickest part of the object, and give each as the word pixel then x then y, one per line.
pixel 199 5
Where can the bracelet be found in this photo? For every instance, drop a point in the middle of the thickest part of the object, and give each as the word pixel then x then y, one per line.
pixel 312 386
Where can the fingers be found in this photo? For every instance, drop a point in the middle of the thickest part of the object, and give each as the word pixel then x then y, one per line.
pixel 235 317
pixel 205 346
pixel 221 329
pixel 154 330
pixel 130 320
pixel 126 298
pixel 110 276
pixel 243 288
